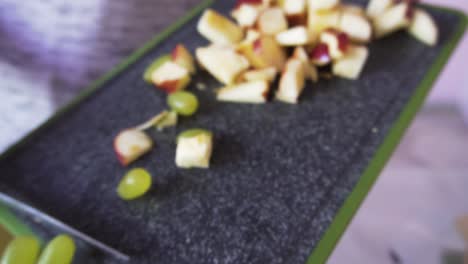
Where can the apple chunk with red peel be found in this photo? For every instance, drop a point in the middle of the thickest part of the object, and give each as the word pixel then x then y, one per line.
pixel 254 92
pixel 246 15
pixel 356 26
pixel 296 36
pixel 351 65
pixel 224 63
pixel 171 77
pixel 320 55
pixel 295 10
pixel 376 8
pixel 219 29
pixel 131 144
pixel 181 56
pixel 292 82
pixel 393 19
pixel 424 28
pixel 293 7
pixel 272 21
pixel 337 42
pixel 320 5
pixel 321 20
pixel 265 74
pixel 310 70
pixel 264 52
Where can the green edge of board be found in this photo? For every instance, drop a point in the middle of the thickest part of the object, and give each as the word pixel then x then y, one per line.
pixel 345 214
pixel 353 202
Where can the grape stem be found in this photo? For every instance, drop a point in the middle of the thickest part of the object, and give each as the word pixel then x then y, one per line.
pixel 153 121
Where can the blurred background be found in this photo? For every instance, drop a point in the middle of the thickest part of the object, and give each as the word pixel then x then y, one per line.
pixel 50 49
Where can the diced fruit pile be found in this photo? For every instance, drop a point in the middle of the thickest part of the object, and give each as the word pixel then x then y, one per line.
pixel 297 40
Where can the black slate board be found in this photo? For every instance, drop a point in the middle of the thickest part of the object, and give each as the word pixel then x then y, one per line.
pixel 279 172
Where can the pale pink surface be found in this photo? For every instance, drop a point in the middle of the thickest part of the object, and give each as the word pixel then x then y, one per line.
pixel 453 83
pixel 412 207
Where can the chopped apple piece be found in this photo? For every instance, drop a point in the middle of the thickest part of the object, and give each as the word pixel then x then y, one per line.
pixel 224 63
pixel 131 144
pixel 194 151
pixel 154 66
pixel 356 26
pixel 393 19
pixel 376 8
pixel 296 36
pixel 295 10
pixel 424 28
pixel 266 74
pixel 248 92
pixel 272 21
pixel 320 55
pixel 182 56
pixel 250 37
pixel 292 82
pixel 293 7
pixel 264 52
pixel 246 15
pixel 309 69
pixel 171 77
pixel 320 5
pixel 321 20
pixel 337 42
pixel 219 29
pixel 300 53
pixel 351 65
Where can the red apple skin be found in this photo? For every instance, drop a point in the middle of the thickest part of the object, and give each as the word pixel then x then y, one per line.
pixel 120 158
pixel 411 6
pixel 174 52
pixel 297 20
pixel 343 39
pixel 320 54
pixel 168 86
pixel 410 12
pixel 265 95
pixel 247 2
pixel 257 45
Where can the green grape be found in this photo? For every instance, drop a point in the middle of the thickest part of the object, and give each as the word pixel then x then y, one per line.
pixel 192 133
pixel 154 66
pixel 134 184
pixel 60 250
pixel 184 103
pixel 22 249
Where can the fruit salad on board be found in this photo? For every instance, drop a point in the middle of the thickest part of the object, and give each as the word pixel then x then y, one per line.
pixel 266 49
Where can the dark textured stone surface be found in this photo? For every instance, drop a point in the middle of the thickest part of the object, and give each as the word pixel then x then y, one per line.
pixel 279 172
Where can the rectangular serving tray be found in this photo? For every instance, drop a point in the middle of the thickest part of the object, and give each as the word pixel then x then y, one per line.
pixel 285 180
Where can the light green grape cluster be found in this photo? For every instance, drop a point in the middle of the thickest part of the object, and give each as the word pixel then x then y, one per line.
pixel 26 249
